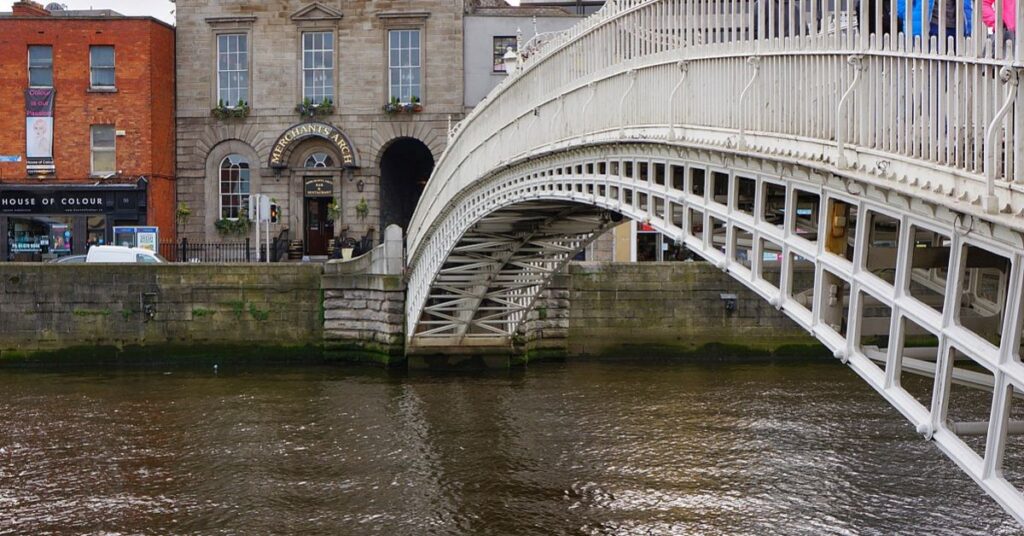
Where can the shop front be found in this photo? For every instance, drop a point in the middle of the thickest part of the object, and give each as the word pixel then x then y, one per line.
pixel 43 223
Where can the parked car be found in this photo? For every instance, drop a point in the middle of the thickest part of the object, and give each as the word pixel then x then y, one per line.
pixel 122 254
pixel 68 259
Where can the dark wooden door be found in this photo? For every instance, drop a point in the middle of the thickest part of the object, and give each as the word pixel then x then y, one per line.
pixel 319 228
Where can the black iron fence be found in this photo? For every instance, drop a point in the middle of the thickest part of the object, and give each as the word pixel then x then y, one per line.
pixel 188 251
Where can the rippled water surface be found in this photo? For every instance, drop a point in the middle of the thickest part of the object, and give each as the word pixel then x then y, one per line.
pixel 579 448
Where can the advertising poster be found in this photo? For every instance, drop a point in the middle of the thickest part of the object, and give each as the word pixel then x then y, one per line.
pixel 61 236
pixel 146 237
pixel 39 125
pixel 137 237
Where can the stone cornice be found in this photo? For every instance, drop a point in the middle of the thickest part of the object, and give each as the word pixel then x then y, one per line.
pixel 403 15
pixel 231 21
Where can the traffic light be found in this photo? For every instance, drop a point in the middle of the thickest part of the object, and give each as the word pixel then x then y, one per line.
pixel 275 213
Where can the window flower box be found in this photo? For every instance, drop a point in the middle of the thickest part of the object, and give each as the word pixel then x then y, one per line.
pixel 233 227
pixel 397 107
pixel 223 111
pixel 307 108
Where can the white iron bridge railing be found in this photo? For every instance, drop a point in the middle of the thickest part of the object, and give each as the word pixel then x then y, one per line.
pixel 850 83
pixel 912 104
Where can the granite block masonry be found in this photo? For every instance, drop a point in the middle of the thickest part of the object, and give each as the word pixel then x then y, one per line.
pixel 344 312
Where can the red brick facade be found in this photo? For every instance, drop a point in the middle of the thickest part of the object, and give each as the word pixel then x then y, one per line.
pixel 141 109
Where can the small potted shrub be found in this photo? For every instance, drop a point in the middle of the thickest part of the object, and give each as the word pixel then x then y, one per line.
pixel 348 245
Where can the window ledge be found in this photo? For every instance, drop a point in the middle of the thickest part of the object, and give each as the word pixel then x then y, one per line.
pixel 404 15
pixel 102 89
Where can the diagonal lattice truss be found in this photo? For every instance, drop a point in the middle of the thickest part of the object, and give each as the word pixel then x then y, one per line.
pixel 491 279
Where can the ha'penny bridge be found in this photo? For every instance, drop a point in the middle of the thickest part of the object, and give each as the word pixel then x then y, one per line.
pixel 884 169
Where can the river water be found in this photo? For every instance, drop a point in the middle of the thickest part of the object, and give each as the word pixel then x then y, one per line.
pixel 577 448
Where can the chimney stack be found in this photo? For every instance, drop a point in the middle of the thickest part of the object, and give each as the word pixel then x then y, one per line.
pixel 28 8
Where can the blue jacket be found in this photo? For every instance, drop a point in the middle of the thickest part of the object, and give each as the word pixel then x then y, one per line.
pixel 914 27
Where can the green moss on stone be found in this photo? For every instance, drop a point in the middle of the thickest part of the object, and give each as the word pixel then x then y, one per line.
pixel 91 312
pixel 200 312
pixel 258 314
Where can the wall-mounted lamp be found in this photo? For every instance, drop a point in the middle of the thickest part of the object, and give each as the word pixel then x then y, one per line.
pixel 729 300
pixel 359 185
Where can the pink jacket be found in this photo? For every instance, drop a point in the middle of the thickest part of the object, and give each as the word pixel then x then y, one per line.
pixel 988 13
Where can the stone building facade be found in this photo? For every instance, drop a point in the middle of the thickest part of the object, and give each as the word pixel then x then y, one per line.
pixel 380 81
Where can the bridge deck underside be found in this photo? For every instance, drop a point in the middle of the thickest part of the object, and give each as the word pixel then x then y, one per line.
pixel 491 278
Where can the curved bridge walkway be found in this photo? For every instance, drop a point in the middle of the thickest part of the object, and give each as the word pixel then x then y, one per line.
pixel 868 184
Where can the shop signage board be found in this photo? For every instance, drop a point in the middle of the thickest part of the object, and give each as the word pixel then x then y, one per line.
pixel 319 187
pixel 55 202
pixel 301 131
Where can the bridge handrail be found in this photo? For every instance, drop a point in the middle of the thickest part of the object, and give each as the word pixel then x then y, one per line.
pixel 952 89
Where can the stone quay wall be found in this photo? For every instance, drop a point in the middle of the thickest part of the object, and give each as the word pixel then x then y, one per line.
pixel 656 309
pixel 113 311
pixel 354 311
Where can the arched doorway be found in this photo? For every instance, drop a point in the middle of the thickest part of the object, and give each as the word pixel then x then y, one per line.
pixel 405 167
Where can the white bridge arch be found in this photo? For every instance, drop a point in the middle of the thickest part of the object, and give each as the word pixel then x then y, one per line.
pixel 881 171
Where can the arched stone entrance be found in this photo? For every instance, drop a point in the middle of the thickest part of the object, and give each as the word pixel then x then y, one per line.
pixel 308 161
pixel 405 167
pixel 316 181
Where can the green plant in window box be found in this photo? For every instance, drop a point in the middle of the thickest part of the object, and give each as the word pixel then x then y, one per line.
pixel 233 227
pixel 362 208
pixel 182 213
pixel 395 106
pixel 307 108
pixel 414 105
pixel 238 111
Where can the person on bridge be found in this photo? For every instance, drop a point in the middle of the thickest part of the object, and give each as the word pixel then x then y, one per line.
pixel 988 15
pixel 914 26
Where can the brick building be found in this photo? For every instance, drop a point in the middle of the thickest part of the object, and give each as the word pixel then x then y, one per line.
pixel 86 129
pixel 378 82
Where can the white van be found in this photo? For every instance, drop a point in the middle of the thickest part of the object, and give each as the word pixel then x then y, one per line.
pixel 121 254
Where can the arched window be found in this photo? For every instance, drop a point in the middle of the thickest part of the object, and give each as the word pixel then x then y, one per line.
pixel 234 186
pixel 319 160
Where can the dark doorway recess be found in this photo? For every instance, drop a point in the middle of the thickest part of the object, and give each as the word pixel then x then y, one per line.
pixel 319 226
pixel 405 167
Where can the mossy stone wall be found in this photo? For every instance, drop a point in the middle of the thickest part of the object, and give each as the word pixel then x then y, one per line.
pixel 672 309
pixel 46 308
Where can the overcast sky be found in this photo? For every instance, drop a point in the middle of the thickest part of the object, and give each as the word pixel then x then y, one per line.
pixel 161 9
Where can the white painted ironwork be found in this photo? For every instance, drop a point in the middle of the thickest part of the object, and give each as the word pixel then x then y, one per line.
pixel 908 162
